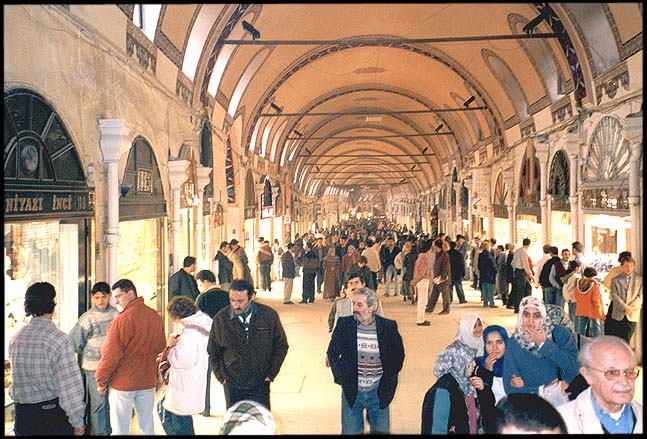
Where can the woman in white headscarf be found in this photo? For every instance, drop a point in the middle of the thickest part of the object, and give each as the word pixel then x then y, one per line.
pixel 538 353
pixel 456 409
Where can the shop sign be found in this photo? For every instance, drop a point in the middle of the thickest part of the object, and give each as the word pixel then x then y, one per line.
pixel 267 212
pixel 29 203
pixel 287 219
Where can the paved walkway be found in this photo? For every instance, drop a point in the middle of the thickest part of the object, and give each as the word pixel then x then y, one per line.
pixel 304 398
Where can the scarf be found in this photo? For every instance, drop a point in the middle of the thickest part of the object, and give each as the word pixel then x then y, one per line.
pixel 455 360
pixel 466 333
pixel 531 346
pixel 497 370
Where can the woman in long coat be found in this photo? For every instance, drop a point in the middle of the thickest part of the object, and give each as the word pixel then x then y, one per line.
pixel 331 264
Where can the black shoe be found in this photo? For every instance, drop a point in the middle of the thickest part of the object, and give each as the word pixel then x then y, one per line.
pixel 303 301
pixel 443 312
pixel 464 301
pixel 493 306
pixel 395 295
pixel 206 414
pixel 289 302
pixel 387 295
pixel 425 323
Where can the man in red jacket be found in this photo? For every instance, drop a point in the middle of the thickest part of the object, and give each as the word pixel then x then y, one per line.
pixel 128 360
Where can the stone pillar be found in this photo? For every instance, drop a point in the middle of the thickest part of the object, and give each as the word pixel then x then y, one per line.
pixel 508 180
pixel 177 174
pixel 202 243
pixel 632 130
pixel 541 151
pixel 573 197
pixel 113 142
pixel 458 223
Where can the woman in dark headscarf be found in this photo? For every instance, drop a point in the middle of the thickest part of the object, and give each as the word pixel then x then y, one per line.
pixel 487 377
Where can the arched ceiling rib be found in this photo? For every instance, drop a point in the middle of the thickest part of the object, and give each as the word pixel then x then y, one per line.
pixel 353 68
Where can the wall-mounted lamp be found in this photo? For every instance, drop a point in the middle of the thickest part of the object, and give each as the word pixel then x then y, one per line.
pixel 297 133
pixel 468 101
pixel 439 127
pixel 251 30
pixel 124 190
pixel 403 181
pixel 317 168
pixel 276 108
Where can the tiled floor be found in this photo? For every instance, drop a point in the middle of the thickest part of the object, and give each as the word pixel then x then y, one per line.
pixel 304 398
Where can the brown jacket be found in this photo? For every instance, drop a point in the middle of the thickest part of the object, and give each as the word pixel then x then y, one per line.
pixel 133 340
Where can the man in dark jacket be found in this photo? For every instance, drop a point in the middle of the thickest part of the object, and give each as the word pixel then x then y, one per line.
pixel 289 273
pixel 457 265
pixel 310 268
pixel 366 355
pixel 182 282
pixel 247 346
pixel 225 266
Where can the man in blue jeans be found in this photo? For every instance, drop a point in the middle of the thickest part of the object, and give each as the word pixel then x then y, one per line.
pixel 366 355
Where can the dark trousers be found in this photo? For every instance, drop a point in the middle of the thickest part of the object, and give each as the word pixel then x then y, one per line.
pixel 436 291
pixel 458 284
pixel 266 280
pixel 320 278
pixel 308 294
pixel 620 328
pixel 259 393
pixel 45 418
pixel 207 396
pixel 175 425
pixel 520 287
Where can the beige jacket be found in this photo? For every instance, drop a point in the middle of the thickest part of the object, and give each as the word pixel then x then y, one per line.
pixel 580 417
pixel 623 294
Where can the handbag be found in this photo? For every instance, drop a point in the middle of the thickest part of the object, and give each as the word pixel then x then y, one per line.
pixel 164 365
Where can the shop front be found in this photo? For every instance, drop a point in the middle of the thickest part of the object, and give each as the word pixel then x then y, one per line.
pixel 48 214
pixel 142 255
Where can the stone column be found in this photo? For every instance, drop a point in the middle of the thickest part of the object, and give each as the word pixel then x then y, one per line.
pixel 632 130
pixel 541 151
pixel 573 198
pixel 508 180
pixel 177 174
pixel 458 222
pixel 202 244
pixel 113 143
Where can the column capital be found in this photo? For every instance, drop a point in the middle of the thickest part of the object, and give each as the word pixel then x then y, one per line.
pixel 203 176
pixel 177 173
pixel 632 129
pixel 572 142
pixel 113 138
pixel 541 150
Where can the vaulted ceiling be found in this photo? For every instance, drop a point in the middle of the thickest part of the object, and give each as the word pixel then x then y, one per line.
pixel 390 97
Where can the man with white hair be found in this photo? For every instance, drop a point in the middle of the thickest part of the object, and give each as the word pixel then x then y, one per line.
pixel 607 406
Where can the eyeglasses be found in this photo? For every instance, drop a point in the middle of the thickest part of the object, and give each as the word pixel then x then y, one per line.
pixel 614 374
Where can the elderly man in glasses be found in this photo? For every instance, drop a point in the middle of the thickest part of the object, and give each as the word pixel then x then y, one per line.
pixel 607 406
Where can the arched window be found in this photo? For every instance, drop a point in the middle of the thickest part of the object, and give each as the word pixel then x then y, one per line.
pixel 508 82
pixel 606 170
pixel 500 195
pixel 529 188
pixel 464 202
pixel 229 173
pixel 559 182
pixel 250 196
pixel 206 159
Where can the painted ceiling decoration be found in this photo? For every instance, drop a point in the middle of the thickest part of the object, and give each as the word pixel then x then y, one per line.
pixel 389 97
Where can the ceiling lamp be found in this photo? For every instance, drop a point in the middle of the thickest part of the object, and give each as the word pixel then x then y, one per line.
pixel 468 101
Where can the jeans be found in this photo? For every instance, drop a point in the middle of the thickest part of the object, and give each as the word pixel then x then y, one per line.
pixel 259 393
pixel 571 311
pixel 266 278
pixel 406 291
pixel 459 291
pixel 99 406
pixel 121 410
pixel 352 418
pixel 488 293
pixel 554 296
pixel 391 276
pixel 582 322
pixel 175 425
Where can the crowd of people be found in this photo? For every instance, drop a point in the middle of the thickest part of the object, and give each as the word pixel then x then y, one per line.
pixel 566 368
